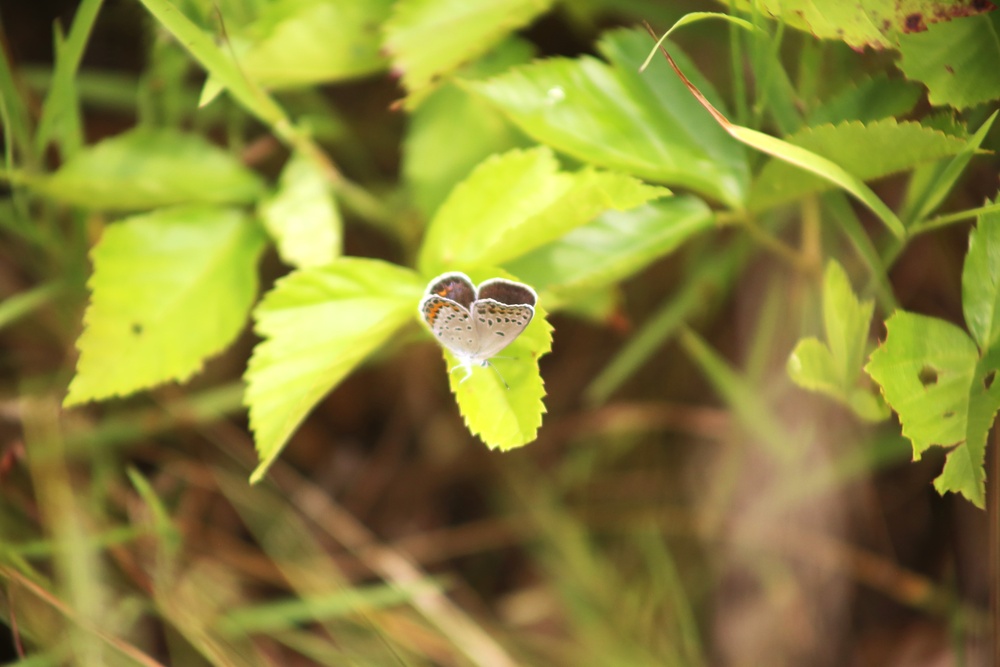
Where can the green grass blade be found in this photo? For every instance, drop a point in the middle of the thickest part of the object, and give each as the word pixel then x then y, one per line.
pixel 942 185
pixel 15 307
pixel 219 64
pixel 60 112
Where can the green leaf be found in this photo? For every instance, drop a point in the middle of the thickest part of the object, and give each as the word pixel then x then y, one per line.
pixel 865 151
pixel 169 289
pixel 874 23
pixel 505 418
pixel 870 100
pixel 427 39
pixel 981 282
pixel 612 247
pixel 302 216
pixel 318 324
pixel 944 388
pixel 296 43
pixel 516 202
pixel 613 116
pixel 957 61
pixel 147 168
pixel 833 368
pixel 453 130
pixel 931 375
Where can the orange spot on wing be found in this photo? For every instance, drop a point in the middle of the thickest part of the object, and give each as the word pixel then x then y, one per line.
pixel 432 312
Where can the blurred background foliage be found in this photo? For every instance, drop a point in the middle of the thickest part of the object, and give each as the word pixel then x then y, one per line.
pixel 684 503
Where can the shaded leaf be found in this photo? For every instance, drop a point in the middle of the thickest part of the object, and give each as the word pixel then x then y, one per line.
pixel 147 168
pixel 169 289
pixel 611 115
pixel 302 216
pixel 516 202
pixel 981 282
pixel 318 324
pixel 612 247
pixel 957 61
pixel 864 151
pixel 833 368
pixel 870 100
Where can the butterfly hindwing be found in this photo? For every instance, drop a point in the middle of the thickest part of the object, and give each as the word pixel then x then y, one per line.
pixel 498 324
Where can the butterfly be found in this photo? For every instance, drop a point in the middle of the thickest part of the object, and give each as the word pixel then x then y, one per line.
pixel 473 323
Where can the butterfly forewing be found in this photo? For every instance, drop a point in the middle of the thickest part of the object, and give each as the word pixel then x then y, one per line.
pixel 455 286
pixel 450 323
pixel 507 292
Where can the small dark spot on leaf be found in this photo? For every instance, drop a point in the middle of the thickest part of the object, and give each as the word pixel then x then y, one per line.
pixel 928 376
pixel 949 414
pixel 949 69
pixel 136 328
pixel 988 380
pixel 914 23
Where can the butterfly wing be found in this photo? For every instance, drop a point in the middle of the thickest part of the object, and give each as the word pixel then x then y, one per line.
pixel 507 292
pixel 497 325
pixel 455 286
pixel 451 324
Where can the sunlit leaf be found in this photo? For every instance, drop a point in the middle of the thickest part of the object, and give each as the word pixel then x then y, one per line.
pixel 297 43
pixel 148 168
pixel 302 216
pixel 518 201
pixel 318 324
pixel 427 39
pixel 169 290
pixel 501 403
